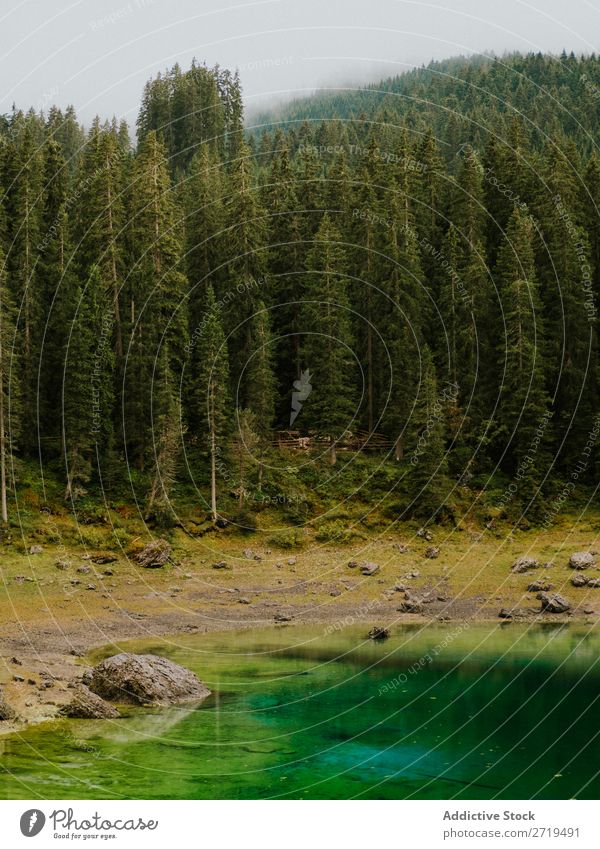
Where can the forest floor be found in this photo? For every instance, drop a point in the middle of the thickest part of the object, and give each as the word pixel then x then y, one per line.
pixel 50 617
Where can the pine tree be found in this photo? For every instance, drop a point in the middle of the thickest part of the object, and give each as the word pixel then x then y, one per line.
pixel 260 379
pixel 213 390
pixel 23 214
pixel 87 385
pixel 523 400
pixel 327 342
pixel 156 291
pixel 9 391
pixel 429 479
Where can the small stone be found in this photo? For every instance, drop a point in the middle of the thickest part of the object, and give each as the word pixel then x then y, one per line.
pixel 524 564
pixel 110 572
pixel 36 549
pixel 539 586
pixel 103 559
pixel 579 580
pixel 62 564
pixel 243 600
pixel 335 593
pixel 505 613
pixel 352 564
pixel 282 617
pixel 248 553
pixel 554 603
pixel 432 552
pixel 594 583
pixel 91 587
pixel 411 606
pixel 84 570
pixel 401 548
pixel 400 588
pixel 220 564
pixel 16 661
pixel 369 569
pixel 425 534
pixel 258 557
pixel 18 678
pixel 291 561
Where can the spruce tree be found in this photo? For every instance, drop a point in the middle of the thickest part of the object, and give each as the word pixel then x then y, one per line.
pixel 212 392
pixel 327 341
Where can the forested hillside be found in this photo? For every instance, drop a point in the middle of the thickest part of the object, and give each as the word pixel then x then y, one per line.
pixel 386 296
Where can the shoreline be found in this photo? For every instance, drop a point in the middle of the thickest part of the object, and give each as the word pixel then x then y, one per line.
pixel 48 667
pixel 59 606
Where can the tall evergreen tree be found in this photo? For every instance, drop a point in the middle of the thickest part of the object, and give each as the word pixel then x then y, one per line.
pixel 327 342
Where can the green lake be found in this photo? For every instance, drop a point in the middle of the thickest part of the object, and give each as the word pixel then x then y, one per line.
pixel 441 712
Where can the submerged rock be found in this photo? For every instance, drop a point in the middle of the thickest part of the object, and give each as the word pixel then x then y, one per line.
pixel 145 679
pixel 554 603
pixel 377 633
pixel 524 564
pixel 155 554
pixel 87 705
pixel 581 560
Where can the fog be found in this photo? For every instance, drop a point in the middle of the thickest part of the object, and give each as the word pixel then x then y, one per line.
pixel 97 55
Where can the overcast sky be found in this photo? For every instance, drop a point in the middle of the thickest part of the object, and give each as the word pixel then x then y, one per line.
pixel 97 54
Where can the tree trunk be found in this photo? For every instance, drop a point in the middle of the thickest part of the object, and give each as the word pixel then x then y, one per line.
pixel 213 473
pixel 399 449
pixel 332 454
pixel 2 449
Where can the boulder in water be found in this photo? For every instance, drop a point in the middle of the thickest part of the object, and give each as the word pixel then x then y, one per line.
pixel 87 705
pixel 145 679
pixel 377 633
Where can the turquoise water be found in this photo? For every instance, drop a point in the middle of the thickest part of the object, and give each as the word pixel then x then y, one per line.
pixel 441 712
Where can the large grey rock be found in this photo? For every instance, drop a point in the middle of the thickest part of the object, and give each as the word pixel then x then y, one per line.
pixel 145 679
pixel 368 568
pixel 6 712
pixel 155 554
pixel 554 603
pixel 87 705
pixel 594 583
pixel 524 564
pixel 581 560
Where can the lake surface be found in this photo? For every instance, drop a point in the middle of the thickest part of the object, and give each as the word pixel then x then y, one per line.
pixel 452 711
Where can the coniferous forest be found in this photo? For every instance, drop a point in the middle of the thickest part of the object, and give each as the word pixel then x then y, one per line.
pixel 400 282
